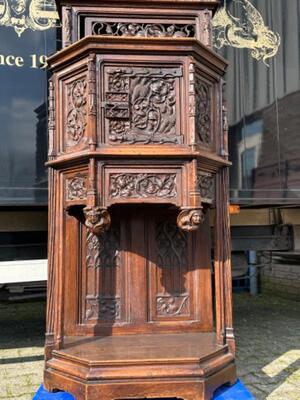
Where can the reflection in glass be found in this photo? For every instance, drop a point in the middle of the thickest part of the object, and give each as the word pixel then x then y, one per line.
pixel 263 103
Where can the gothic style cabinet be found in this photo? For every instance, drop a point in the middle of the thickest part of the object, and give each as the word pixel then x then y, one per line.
pixel 137 157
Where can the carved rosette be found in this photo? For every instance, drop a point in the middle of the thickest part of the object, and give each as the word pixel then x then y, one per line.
pixel 190 219
pixel 97 219
pixel 202 111
pixel 131 185
pixel 206 186
pixel 76 188
pixel 76 120
pixel 132 29
pixel 106 308
pixel 140 105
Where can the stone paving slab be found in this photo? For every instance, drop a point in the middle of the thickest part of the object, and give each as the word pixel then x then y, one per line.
pixel 268 347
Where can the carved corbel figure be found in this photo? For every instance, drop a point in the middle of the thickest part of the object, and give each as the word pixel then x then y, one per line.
pixel 190 219
pixel 97 219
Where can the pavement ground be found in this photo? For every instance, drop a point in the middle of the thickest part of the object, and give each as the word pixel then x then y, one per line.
pixel 267 330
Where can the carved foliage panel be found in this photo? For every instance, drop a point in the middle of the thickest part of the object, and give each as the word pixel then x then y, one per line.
pixel 171 295
pixel 206 186
pixel 141 104
pixel 203 111
pixel 130 185
pixel 201 106
pixel 138 28
pixel 104 300
pixel 75 112
pixel 76 188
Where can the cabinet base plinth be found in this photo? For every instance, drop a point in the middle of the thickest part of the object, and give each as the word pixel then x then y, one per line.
pixel 182 366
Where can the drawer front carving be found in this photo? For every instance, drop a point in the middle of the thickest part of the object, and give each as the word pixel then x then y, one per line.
pixel 142 105
pixel 134 185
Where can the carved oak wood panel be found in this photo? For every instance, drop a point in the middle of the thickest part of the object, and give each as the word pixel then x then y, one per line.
pixel 141 104
pixel 75 111
pixel 136 184
pixel 120 22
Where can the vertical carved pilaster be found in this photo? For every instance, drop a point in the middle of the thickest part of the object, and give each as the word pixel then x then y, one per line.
pixel 223 276
pixel 52 272
pixel 67 26
pixel 192 104
pixel 206 28
pixel 224 146
pixel 92 100
pixel 51 121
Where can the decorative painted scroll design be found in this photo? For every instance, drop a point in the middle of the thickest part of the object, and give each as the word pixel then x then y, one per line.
pixel 167 305
pixel 76 111
pixel 130 185
pixel 112 28
pixel 76 188
pixel 103 250
pixel 106 307
pixel 249 31
pixel 206 185
pixel 202 111
pixel 171 245
pixel 37 15
pixel 140 105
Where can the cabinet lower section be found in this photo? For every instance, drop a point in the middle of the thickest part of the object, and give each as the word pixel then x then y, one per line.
pixel 187 366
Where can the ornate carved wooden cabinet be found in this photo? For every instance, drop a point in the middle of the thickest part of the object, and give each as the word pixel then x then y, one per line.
pixel 137 157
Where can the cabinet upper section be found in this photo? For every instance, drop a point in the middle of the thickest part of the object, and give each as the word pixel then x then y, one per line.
pixel 167 18
pixel 138 95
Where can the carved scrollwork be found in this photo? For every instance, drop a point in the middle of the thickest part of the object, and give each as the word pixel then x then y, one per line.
pixel 206 186
pixel 105 307
pixel 140 105
pixel 142 29
pixel 202 111
pixel 168 305
pixel 76 111
pixel 76 188
pixel 130 185
pixel 97 219
pixel 190 219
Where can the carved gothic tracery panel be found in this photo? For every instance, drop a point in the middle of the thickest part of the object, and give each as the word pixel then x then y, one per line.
pixel 141 105
pixel 76 118
pixel 172 297
pixel 112 28
pixel 76 188
pixel 206 185
pixel 203 103
pixel 103 250
pixel 134 185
